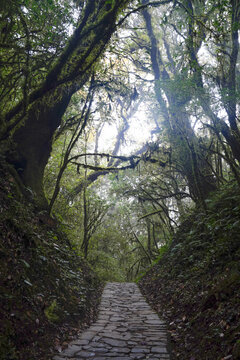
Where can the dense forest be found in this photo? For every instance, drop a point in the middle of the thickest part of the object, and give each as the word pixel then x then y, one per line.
pixel 119 161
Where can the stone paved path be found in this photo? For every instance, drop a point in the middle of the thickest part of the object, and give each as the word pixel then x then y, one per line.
pixel 127 328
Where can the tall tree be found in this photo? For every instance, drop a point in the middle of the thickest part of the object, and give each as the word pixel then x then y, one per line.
pixel 170 85
pixel 37 114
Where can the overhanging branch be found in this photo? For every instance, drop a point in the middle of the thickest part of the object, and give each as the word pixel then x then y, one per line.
pixel 142 7
pixel 132 165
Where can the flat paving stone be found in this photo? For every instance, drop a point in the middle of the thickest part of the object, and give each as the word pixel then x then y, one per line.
pixel 127 329
pixel 114 342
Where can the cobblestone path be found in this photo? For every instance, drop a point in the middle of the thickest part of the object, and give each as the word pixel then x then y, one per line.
pixel 127 328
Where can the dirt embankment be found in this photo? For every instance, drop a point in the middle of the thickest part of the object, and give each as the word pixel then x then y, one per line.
pixel 47 292
pixel 196 283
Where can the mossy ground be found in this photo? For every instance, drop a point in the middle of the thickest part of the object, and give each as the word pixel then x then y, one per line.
pixel 47 292
pixel 196 283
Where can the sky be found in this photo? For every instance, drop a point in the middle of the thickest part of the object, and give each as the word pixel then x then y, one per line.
pixel 138 133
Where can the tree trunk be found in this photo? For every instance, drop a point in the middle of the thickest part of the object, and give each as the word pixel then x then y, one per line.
pixel 34 128
pixel 184 142
pixel 33 143
pixel 85 242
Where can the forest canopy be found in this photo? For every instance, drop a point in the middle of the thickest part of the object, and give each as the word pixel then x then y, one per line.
pixel 122 112
pixel 119 161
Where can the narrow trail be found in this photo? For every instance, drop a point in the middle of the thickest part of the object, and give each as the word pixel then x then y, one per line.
pixel 127 328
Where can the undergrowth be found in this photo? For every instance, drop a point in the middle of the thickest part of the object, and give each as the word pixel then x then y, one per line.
pixel 195 284
pixel 47 292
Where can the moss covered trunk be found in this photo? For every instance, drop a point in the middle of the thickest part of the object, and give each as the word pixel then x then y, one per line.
pixel 34 141
pixel 38 121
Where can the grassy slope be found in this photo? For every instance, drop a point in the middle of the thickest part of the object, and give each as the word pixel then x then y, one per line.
pixel 46 290
pixel 196 283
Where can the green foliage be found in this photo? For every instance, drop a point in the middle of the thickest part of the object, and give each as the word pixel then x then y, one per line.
pixel 128 219
pixel 51 311
pixel 163 249
pixel 44 284
pixel 106 266
pixel 32 35
pixel 195 283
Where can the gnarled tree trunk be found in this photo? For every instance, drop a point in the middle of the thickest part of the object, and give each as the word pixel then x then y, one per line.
pixel 33 126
